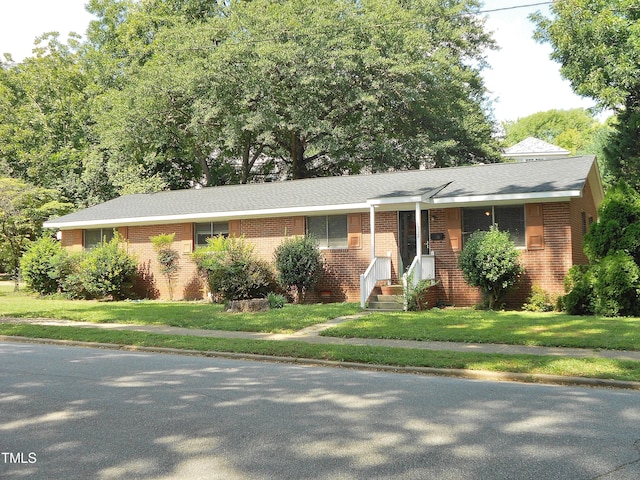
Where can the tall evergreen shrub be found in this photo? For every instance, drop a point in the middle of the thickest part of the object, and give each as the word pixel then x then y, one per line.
pixel 491 261
pixel 108 271
pixel 299 265
pixel 44 266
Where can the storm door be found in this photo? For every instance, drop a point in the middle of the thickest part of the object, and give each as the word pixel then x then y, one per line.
pixel 407 236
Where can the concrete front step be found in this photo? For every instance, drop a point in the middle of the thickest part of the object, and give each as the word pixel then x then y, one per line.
pixel 387 303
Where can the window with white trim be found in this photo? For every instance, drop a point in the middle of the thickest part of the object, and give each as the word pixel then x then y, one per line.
pixel 508 218
pixel 95 236
pixel 329 230
pixel 202 231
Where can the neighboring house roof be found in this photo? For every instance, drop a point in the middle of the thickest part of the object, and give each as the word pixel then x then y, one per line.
pixel 534 148
pixel 499 182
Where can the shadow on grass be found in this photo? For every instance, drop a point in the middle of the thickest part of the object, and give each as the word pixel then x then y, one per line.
pixel 177 314
pixel 517 328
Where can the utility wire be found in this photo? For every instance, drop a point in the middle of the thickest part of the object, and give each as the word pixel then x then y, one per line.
pixel 300 34
pixel 515 7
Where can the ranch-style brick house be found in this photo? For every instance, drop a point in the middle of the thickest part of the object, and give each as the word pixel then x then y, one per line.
pixel 370 228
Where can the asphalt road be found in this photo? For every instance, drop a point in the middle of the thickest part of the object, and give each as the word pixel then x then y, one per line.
pixel 79 413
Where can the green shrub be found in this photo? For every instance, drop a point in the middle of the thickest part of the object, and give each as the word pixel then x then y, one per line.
pixel 44 266
pixel 491 261
pixel 579 285
pixel 108 271
pixel 167 257
pixel 299 265
pixel 276 300
pixel 617 286
pixel 72 286
pixel 539 301
pixel 232 270
pixel 415 296
pixel 618 226
pixel 611 286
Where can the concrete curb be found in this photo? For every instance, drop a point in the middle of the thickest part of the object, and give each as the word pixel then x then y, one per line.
pixel 447 372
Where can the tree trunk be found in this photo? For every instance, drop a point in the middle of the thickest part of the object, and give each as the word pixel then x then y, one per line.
pixel 206 170
pixel 246 152
pixel 298 167
pixel 16 278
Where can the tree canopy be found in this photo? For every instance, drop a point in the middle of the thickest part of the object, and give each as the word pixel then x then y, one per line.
pixel 597 44
pixel 570 129
pixel 576 130
pixel 177 93
pixel 23 208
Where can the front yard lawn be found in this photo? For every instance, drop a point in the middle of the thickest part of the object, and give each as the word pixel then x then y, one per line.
pixel 176 314
pixel 465 325
pixel 516 328
pixel 530 364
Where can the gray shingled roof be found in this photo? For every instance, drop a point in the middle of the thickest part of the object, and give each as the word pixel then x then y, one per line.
pixel 346 193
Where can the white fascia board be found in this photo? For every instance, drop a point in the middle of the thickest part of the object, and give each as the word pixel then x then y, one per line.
pixel 211 216
pixel 400 200
pixel 516 197
pixel 395 200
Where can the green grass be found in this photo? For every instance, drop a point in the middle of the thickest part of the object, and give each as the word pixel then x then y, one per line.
pixel 176 314
pixel 516 328
pixel 529 364
pixel 465 325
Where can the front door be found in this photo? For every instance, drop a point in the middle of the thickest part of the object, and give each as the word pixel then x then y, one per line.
pixel 407 236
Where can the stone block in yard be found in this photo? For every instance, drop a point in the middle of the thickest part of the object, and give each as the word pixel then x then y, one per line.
pixel 252 305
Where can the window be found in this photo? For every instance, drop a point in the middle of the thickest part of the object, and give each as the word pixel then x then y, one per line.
pixel 202 231
pixel 330 230
pixel 508 218
pixel 95 236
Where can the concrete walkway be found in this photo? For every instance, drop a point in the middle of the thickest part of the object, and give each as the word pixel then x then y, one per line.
pixel 312 335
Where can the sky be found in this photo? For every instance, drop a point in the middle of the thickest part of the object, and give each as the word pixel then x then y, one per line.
pixel 522 78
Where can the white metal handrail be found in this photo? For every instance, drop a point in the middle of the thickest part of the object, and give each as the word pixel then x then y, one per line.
pixel 379 269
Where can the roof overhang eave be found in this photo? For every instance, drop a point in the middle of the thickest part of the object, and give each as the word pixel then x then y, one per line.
pixel 510 197
pixel 403 200
pixel 384 203
pixel 206 216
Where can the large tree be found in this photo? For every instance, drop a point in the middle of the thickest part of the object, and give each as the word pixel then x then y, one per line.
pixel 23 208
pixel 175 93
pixel 45 121
pixel 597 43
pixel 316 87
pixel 570 129
pixel 576 130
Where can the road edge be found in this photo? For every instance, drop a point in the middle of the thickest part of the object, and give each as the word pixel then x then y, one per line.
pixel 442 372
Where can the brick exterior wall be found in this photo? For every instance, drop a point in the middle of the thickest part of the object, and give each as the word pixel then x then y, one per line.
pixel 151 283
pixel 340 280
pixel 581 208
pixel 72 240
pixel 452 288
pixel 545 267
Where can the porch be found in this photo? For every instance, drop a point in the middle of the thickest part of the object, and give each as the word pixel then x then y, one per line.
pixel 379 271
pixel 413 248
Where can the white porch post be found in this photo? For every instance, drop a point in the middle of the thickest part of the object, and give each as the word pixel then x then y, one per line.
pixel 372 228
pixel 418 271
